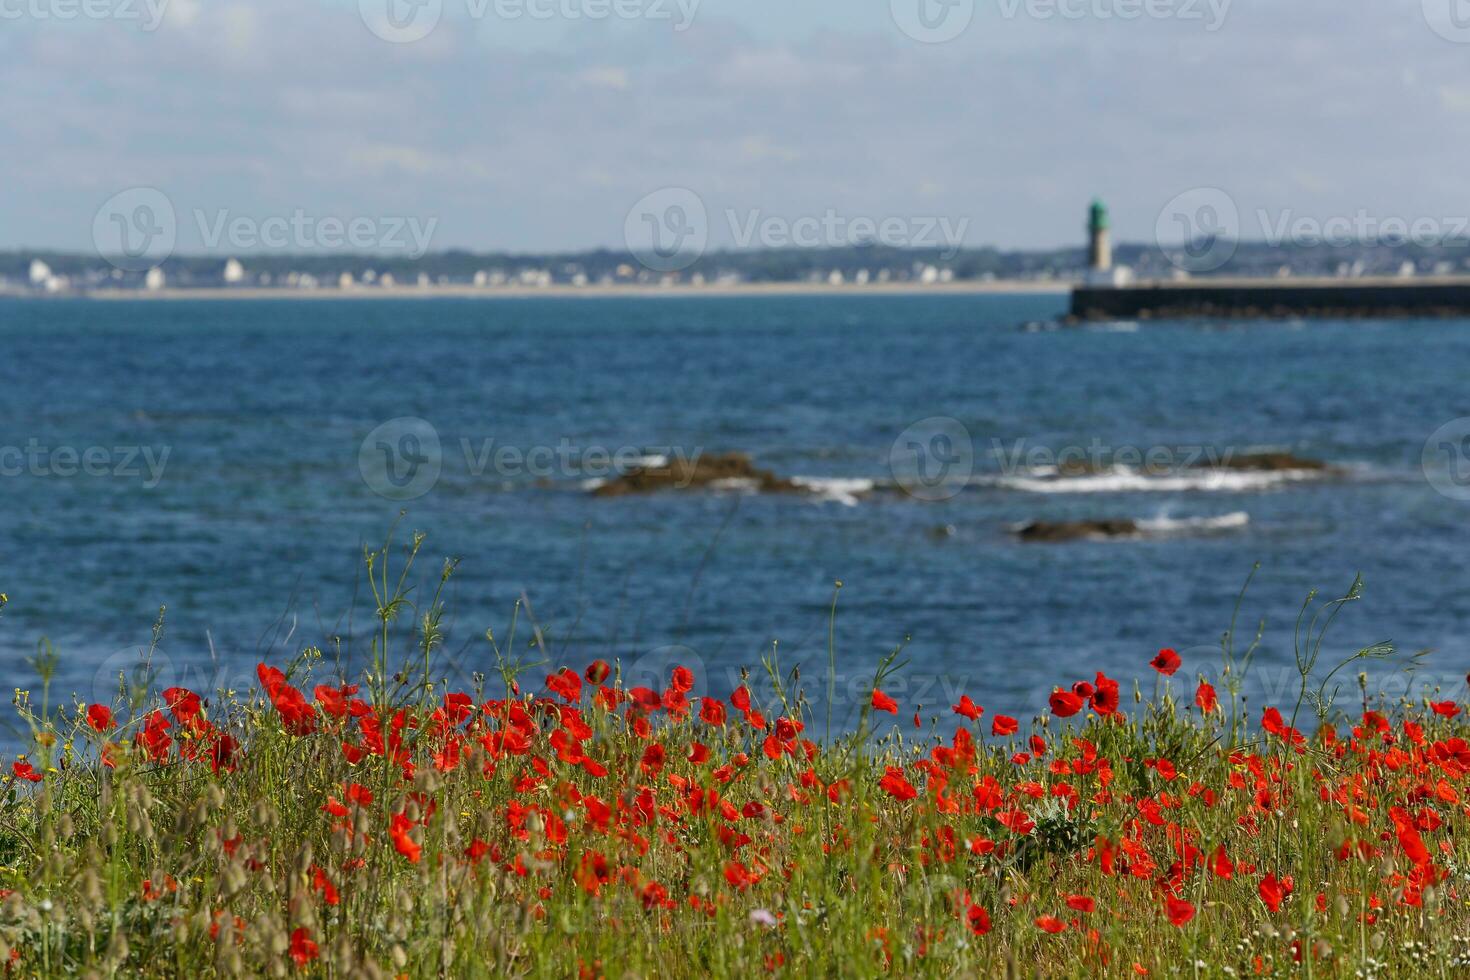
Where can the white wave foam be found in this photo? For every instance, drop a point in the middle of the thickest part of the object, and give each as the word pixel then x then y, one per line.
pixel 1126 480
pixel 1178 525
pixel 847 491
pixel 739 484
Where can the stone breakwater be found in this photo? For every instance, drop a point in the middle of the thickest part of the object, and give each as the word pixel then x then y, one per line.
pixel 1274 299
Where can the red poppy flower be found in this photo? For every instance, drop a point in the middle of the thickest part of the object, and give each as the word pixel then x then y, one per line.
pixel 1051 924
pixel 1166 662
pixel 1003 725
pixel 1273 892
pixel 183 704
pixel 598 671
pixel 739 876
pixel 1105 698
pixel 979 920
pixel 323 884
pixel 153 739
pixel 882 702
pixel 303 950
pixel 897 786
pixel 653 759
pixel 1065 704
pixel 1446 708
pixel 711 711
pixel 334 699
pixel 1412 843
pixel 99 718
pixel 398 829
pixel 566 685
pixel 1222 865
pixel 24 770
pixel 968 709
pixel 222 752
pixel 1205 698
pixel 1080 903
pixel 682 680
pixel 1179 911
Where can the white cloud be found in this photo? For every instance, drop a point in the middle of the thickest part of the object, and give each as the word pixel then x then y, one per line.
pixel 270 105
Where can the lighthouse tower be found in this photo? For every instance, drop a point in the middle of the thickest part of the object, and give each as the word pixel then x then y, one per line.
pixel 1099 244
pixel 1100 268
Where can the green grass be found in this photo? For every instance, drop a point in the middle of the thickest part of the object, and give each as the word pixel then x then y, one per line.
pixel 807 861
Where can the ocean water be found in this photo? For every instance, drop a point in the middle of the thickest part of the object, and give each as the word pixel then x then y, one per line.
pixel 251 525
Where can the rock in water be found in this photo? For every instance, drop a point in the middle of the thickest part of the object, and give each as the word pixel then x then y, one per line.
pixel 1049 532
pixel 705 471
pixel 1270 462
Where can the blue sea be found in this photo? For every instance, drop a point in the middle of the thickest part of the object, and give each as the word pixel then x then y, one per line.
pixel 232 460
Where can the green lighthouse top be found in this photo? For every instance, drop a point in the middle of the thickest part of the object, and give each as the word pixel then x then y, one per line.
pixel 1098 216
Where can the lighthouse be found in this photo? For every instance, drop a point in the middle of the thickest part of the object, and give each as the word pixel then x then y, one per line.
pixel 1099 245
pixel 1100 268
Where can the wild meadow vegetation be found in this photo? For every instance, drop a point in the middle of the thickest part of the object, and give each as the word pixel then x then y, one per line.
pixel 567 823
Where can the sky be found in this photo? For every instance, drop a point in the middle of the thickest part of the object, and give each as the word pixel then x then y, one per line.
pixel 540 125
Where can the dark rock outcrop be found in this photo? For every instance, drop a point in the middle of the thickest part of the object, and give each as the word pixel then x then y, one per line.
pixel 1049 532
pixel 1266 462
pixel 701 472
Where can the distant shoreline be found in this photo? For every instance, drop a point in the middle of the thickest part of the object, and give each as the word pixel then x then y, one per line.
pixel 1028 287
